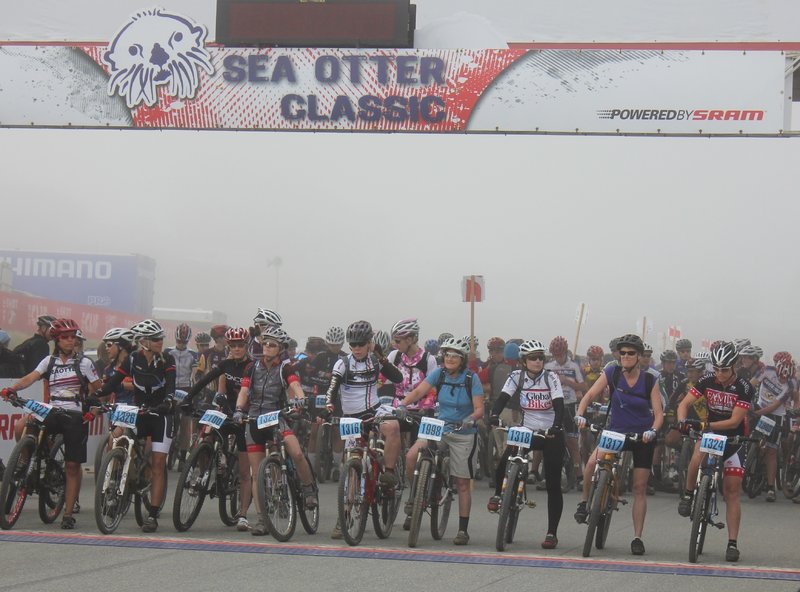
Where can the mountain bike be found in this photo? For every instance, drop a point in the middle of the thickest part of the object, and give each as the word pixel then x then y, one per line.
pixel 212 470
pixel 704 505
pixel 125 472
pixel 755 466
pixel 36 466
pixel 359 484
pixel 280 490
pixel 604 495
pixel 431 486
pixel 324 457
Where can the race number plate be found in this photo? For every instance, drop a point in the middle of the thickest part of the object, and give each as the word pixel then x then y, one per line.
pixel 320 401
pixel 213 418
pixel 520 436
pixel 431 429
pixel 38 409
pixel 180 395
pixel 124 416
pixel 713 444
pixel 610 441
pixel 765 425
pixel 267 420
pixel 349 427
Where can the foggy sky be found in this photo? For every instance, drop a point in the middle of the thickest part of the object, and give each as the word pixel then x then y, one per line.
pixel 692 232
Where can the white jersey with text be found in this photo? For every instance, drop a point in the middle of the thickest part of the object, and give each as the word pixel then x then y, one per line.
pixel 568 370
pixel 64 383
pixel 771 390
pixel 536 397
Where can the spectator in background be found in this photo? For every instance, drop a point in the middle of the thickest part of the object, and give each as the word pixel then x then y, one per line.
pixel 34 349
pixel 10 363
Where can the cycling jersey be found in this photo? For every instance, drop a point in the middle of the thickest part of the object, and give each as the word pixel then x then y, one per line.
pixel 771 389
pixel 64 384
pixel 535 397
pixel 413 375
pixel 210 359
pixel 121 394
pixel 153 382
pixel 631 408
pixel 698 410
pixel 722 400
pixel 356 382
pixel 455 403
pixel 567 370
pixel 185 363
pixel 234 371
pixel 267 385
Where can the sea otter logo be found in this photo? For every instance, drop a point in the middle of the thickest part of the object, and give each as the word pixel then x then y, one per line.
pixel 156 49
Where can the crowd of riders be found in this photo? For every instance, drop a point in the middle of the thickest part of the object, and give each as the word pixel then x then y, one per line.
pixel 543 386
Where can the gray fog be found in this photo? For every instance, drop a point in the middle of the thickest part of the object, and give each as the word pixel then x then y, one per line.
pixel 692 232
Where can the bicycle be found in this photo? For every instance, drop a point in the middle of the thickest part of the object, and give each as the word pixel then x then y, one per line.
pixel 359 483
pixel 704 506
pixel 604 495
pixel 514 494
pixel 278 484
pixel 36 465
pixel 323 460
pixel 212 470
pixel 431 486
pixel 755 469
pixel 791 463
pixel 125 472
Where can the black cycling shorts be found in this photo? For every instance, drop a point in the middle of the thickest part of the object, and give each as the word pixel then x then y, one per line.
pixel 158 428
pixel 239 432
pixel 642 453
pixel 75 432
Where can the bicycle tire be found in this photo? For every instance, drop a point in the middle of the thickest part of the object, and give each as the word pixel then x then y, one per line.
pixel 277 502
pixel 441 500
pixel 699 519
pixel 322 445
pixel 52 486
pixel 604 524
pixel 597 496
pixel 419 502
pixel 14 489
pixel 99 452
pixel 228 491
pixel 309 518
pixel 141 499
pixel 383 512
pixel 489 464
pixel 626 472
pixel 753 477
pixel 352 504
pixel 508 500
pixel 791 475
pixel 109 503
pixel 193 487
pixel 400 471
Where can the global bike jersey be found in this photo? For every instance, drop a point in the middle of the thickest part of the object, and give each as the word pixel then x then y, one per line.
pixel 631 407
pixel 356 382
pixel 568 369
pixel 233 370
pixel 153 381
pixel 455 401
pixel 772 389
pixel 267 384
pixel 414 371
pixel 535 397
pixel 185 363
pixel 66 386
pixel 722 400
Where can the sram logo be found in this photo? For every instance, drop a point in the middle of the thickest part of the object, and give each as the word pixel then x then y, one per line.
pixel 727 115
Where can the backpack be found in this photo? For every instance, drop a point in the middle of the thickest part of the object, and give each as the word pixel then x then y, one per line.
pixel 372 358
pixel 76 368
pixel 521 382
pixel 467 382
pixel 421 365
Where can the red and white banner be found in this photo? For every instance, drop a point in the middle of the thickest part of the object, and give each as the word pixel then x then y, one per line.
pixel 674 332
pixel 158 72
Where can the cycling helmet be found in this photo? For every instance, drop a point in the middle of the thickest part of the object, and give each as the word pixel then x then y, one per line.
pixel 265 316
pixel 61 326
pixel 475 338
pixel 669 356
pixel 405 328
pixel 444 337
pixel 702 355
pixel 45 320
pixel 785 367
pixel 724 355
pixel 780 356
pixel 648 349
pixel 334 336
pixel 218 331
pixel 382 340
pixel 531 346
pixel 496 343
pixel 314 345
pixel 683 344
pixel 698 364
pixel 511 351
pixel 183 332
pixel 202 339
pixel 120 334
pixel 456 344
pixel 237 334
pixel 631 340
pixel 291 344
pixel 751 351
pixel 360 331
pixel 594 351
pixel 80 335
pixel 715 344
pixel 558 346
pixel 612 345
pixel 148 329
pixel 741 342
pixel 432 347
pixel 275 333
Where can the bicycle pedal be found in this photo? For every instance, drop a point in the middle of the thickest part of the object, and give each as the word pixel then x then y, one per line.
pixel 622 501
pixel 719 525
pixel 530 503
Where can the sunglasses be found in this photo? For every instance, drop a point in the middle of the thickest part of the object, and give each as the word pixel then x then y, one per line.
pixel 110 343
pixel 358 344
pixel 628 352
pixel 271 344
pixel 535 358
pixel 236 344
pixel 452 356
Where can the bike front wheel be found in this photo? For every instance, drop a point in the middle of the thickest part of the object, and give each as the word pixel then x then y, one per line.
pixel 508 508
pixel 193 487
pixel 110 500
pixel 441 500
pixel 323 460
pixel 53 484
pixel 14 488
pixel 699 519
pixel 419 501
pixel 353 508
pixel 309 517
pixel 228 484
pixel 601 489
pixel 277 501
